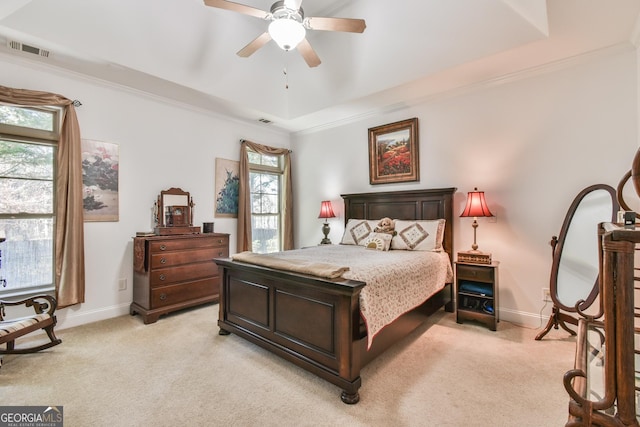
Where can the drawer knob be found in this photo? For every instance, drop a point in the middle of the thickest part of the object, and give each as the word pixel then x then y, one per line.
pixel 220 253
pixel 163 297
pixel 163 260
pixel 163 247
pixel 162 277
pixel 220 241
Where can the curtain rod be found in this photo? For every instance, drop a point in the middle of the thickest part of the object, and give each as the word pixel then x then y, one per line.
pixel 243 140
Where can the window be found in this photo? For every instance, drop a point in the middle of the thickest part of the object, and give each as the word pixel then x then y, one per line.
pixel 27 183
pixel 265 178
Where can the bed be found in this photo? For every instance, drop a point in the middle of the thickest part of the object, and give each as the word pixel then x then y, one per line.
pixel 316 322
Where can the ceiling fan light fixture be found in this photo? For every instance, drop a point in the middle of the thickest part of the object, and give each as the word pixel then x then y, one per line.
pixel 287 33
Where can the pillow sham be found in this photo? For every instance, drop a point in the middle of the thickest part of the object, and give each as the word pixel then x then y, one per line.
pixel 378 241
pixel 356 231
pixel 423 235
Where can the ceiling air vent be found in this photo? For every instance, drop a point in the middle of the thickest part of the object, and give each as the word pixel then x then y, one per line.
pixel 28 49
pixel 265 121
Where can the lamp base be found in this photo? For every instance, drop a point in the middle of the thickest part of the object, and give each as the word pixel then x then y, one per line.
pixel 474 257
pixel 325 230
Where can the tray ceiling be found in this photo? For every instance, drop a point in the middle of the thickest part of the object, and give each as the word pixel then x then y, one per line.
pixel 186 51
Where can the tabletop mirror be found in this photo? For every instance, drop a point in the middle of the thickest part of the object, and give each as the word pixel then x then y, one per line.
pixel 574 271
pixel 174 212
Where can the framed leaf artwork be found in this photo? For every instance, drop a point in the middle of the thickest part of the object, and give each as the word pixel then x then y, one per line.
pixel 226 187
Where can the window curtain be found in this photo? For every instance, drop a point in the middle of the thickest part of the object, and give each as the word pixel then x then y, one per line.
pixel 69 223
pixel 244 196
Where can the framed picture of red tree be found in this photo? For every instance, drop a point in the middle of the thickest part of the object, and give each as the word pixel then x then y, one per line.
pixel 393 152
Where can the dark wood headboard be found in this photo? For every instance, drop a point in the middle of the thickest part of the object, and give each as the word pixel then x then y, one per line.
pixel 414 204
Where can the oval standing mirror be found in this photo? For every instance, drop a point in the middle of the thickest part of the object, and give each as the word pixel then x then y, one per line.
pixel 574 270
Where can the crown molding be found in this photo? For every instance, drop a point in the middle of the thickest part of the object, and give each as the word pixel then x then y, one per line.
pixel 520 75
pixel 45 65
pixel 329 123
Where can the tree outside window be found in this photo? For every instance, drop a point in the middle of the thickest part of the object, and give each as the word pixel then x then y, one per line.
pixel 266 213
pixel 27 178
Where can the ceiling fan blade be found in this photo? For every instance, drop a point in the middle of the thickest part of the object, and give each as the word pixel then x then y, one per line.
pixel 336 24
pixel 237 7
pixel 310 56
pixel 292 4
pixel 254 45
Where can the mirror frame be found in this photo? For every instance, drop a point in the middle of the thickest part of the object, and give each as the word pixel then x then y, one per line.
pixel 558 246
pixel 188 207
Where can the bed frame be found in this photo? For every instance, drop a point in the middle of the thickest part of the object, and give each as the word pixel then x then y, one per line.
pixel 315 323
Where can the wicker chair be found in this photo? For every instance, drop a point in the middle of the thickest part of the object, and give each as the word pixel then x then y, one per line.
pixel 43 318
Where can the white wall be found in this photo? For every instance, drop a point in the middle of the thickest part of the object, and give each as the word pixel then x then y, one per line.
pixel 161 145
pixel 531 142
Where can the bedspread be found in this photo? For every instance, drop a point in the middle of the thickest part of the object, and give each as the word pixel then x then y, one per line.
pixel 397 281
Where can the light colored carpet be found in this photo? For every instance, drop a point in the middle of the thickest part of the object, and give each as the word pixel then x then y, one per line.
pixel 179 371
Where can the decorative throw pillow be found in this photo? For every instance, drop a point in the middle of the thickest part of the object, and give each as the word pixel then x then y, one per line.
pixel 378 241
pixel 423 235
pixel 356 231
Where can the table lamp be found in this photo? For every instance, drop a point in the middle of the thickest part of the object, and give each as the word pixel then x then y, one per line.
pixel 476 206
pixel 326 211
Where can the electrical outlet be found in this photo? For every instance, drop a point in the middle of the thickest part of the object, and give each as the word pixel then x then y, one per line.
pixel 122 284
pixel 546 294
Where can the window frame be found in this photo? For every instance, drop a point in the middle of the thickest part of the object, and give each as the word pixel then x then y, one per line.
pixel 270 170
pixel 33 136
pixel 34 133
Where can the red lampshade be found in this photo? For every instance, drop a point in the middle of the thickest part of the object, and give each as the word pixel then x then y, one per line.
pixel 476 205
pixel 326 210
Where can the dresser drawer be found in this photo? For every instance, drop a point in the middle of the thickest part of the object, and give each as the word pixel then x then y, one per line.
pixel 175 271
pixel 183 273
pixel 170 259
pixel 193 243
pixel 475 273
pixel 175 294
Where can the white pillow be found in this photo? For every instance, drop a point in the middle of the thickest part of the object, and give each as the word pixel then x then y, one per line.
pixel 423 235
pixel 357 231
pixel 378 241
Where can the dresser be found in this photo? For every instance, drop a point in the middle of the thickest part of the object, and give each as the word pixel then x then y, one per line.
pixel 174 272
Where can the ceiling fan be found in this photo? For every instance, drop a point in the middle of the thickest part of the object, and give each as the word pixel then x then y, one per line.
pixel 288 26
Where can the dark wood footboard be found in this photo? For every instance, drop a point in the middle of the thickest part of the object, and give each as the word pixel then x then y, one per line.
pixel 313 323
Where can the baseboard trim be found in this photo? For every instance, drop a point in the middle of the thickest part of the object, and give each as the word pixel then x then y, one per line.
pixel 522 318
pixel 67 318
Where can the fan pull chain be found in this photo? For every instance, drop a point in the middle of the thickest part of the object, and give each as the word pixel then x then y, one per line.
pixel 286 78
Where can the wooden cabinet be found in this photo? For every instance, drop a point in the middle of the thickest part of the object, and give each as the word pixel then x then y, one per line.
pixel 603 385
pixel 477 293
pixel 174 272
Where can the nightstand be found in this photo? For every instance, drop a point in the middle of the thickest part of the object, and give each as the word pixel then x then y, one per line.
pixel 477 293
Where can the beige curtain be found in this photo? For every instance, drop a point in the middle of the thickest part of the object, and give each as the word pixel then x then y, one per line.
pixel 69 222
pixel 244 202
